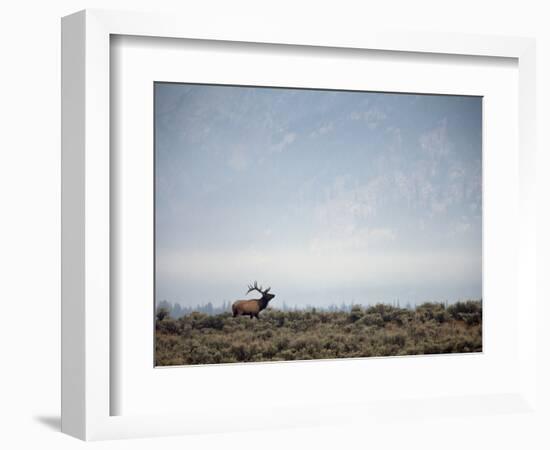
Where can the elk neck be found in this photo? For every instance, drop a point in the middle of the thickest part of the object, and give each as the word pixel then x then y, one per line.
pixel 263 302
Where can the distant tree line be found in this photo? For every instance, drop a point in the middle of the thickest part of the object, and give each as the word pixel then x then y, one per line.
pixel 175 310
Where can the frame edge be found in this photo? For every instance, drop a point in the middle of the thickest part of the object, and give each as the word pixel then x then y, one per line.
pixel 73 83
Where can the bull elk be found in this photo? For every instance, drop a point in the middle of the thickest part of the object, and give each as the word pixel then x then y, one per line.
pixel 252 307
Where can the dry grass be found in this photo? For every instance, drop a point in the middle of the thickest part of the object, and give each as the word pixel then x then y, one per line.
pixel 380 330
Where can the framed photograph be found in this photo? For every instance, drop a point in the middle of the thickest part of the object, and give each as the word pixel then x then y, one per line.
pixel 282 224
pixel 362 208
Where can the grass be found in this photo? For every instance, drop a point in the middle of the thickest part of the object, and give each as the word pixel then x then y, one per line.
pixel 380 330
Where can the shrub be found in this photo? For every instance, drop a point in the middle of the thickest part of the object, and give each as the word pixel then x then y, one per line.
pixel 356 313
pixel 398 339
pixel 169 326
pixel 470 318
pixel 375 319
pixel 468 307
pixel 214 322
pixel 162 313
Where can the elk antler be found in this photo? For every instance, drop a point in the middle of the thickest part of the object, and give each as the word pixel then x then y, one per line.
pixel 256 288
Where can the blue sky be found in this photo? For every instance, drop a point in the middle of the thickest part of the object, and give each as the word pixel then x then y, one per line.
pixel 326 196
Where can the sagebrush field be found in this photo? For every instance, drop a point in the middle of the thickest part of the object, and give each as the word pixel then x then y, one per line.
pixel 380 330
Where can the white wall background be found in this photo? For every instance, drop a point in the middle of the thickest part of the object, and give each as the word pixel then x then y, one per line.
pixel 30 196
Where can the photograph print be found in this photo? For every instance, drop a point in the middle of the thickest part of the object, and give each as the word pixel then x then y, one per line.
pixel 307 224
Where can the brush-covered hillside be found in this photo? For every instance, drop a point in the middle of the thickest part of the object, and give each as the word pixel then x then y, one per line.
pixel 380 330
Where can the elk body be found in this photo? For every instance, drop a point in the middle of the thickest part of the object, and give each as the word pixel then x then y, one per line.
pixel 252 307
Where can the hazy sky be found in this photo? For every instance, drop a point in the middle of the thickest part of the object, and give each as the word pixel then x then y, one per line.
pixel 326 196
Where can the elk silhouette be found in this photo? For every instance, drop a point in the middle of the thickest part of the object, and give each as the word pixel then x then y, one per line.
pixel 252 307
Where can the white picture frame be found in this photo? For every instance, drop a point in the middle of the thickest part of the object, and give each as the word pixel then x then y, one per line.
pixel 87 386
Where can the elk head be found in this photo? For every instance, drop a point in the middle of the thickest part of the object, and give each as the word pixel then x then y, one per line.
pixel 266 296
